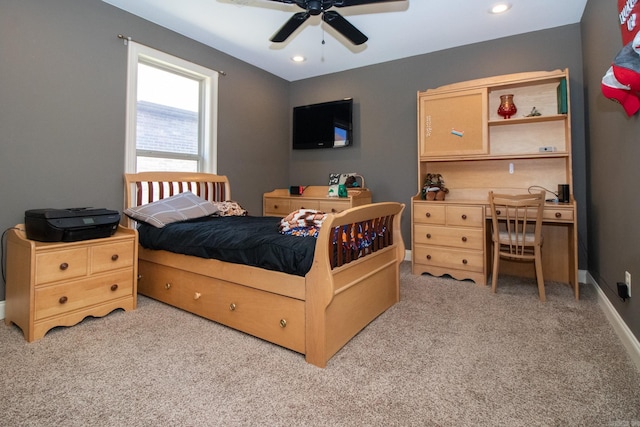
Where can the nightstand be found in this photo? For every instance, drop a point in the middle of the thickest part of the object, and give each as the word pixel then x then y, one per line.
pixel 59 284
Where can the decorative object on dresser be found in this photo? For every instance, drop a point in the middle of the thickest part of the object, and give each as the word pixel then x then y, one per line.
pixel 353 276
pixel 340 183
pixel 434 188
pixel 280 202
pixel 516 231
pixel 462 137
pixel 58 284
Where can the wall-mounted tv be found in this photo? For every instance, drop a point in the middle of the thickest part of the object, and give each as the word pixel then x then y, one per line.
pixel 324 125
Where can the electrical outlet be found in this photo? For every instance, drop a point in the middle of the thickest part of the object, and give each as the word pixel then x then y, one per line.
pixel 627 281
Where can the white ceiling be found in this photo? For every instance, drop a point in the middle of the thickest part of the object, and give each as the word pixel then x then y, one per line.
pixel 397 29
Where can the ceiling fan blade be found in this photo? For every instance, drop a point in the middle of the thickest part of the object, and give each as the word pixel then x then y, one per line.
pixel 343 26
pixel 289 27
pixel 345 3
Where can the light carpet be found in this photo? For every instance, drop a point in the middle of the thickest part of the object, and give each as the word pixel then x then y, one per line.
pixel 449 353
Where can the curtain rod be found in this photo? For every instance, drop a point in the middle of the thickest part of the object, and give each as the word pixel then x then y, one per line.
pixel 126 41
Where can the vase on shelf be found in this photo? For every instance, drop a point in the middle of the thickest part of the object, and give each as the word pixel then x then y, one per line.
pixel 507 108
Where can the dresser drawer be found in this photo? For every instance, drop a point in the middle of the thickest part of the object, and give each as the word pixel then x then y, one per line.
pixel 301 203
pixel 61 265
pixel 438 256
pixel 111 257
pixel 429 213
pixel 276 206
pixel 469 216
pixel 333 206
pixel 68 296
pixel 457 237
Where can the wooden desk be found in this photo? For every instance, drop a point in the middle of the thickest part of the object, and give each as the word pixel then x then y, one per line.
pixel 454 238
pixel 462 137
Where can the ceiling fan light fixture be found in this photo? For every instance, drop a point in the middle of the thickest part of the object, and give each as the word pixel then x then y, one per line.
pixel 500 8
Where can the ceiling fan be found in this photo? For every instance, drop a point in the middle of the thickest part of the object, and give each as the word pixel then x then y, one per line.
pixel 333 18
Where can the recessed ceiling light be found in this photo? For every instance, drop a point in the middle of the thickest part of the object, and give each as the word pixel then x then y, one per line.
pixel 500 8
pixel 298 58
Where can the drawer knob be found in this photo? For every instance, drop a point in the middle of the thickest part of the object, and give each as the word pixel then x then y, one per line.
pixel 558 215
pixel 283 323
pixel 464 216
pixel 333 210
pixel 63 299
pixel 428 256
pixel 428 214
pixel 140 276
pixel 114 257
pixel 114 287
pixel 275 206
pixel 197 295
pixel 64 266
pixel 232 307
pixel 498 212
pixel 464 238
pixel 428 235
pixel 167 285
pixel 464 261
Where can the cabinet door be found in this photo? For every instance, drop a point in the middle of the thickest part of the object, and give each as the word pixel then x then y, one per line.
pixel 453 124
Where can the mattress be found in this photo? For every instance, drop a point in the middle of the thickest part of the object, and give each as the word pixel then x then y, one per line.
pixel 248 240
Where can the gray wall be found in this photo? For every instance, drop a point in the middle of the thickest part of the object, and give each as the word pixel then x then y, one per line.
pixel 385 150
pixel 613 172
pixel 62 108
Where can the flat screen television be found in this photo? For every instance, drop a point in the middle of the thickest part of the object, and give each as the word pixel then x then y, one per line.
pixel 324 125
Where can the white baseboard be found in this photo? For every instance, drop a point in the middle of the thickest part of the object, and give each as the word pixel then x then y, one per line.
pixel 2 304
pixel 622 330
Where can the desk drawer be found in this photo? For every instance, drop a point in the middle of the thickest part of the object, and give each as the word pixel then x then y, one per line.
pixel 429 213
pixel 466 216
pixel 457 237
pixel 557 214
pixel 438 256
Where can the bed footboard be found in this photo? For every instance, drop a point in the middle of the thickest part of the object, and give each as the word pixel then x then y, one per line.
pixel 355 276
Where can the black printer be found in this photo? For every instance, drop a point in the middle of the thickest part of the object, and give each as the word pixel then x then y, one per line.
pixel 70 225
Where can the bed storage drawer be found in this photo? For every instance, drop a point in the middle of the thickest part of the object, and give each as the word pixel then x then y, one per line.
pixel 275 318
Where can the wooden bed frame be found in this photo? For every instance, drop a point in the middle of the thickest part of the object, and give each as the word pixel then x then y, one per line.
pixel 315 315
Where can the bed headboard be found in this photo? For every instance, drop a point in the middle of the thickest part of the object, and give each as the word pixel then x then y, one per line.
pixel 146 187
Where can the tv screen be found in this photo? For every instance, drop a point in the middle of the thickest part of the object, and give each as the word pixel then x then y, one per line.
pixel 324 125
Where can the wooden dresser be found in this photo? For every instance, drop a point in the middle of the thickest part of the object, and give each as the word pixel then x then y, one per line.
pixel 462 137
pixel 280 203
pixel 59 284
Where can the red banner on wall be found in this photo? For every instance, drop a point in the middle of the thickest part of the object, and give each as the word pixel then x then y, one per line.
pixel 628 11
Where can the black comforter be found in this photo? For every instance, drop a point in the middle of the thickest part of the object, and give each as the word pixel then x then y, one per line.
pixel 247 240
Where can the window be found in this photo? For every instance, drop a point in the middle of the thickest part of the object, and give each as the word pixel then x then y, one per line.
pixel 171 113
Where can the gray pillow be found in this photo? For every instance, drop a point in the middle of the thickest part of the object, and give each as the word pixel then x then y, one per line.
pixel 180 207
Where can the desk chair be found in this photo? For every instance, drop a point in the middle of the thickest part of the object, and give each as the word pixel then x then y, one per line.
pixel 517 232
